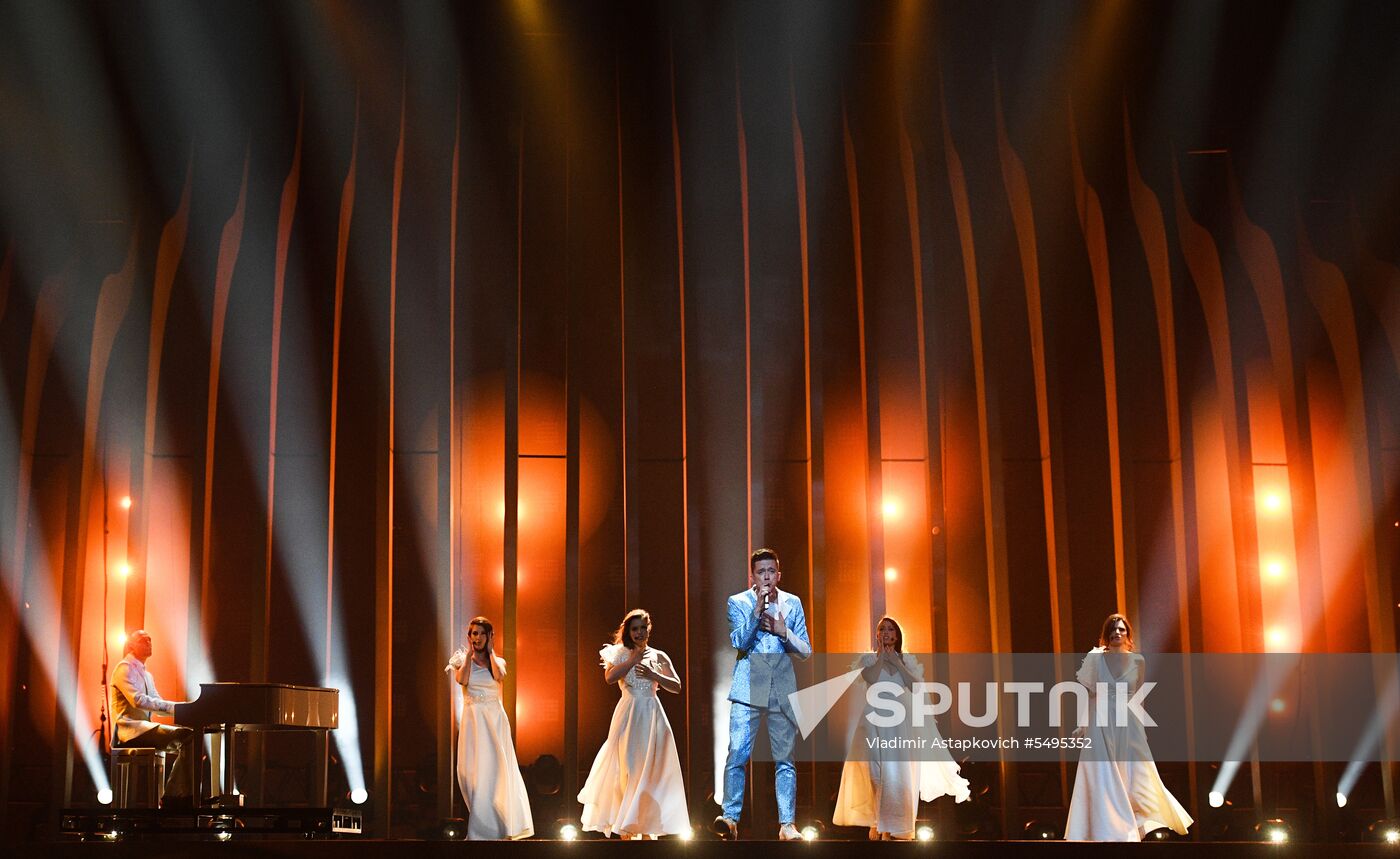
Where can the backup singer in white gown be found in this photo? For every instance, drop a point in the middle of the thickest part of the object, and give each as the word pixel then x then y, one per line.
pixel 635 788
pixel 882 791
pixel 487 771
pixel 1118 793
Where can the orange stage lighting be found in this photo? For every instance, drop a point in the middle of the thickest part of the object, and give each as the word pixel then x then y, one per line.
pixel 1275 568
pixel 1271 501
pixel 1277 638
pixel 891 574
pixel 125 502
pixel 124 569
pixel 891 508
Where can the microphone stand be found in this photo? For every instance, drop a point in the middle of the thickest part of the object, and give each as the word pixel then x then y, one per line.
pixel 104 743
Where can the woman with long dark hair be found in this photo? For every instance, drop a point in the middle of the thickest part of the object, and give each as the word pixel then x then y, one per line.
pixel 635 788
pixel 487 771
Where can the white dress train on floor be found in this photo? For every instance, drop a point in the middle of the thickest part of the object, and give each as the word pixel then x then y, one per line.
pixel 487 771
pixel 882 791
pixel 1118 793
pixel 635 786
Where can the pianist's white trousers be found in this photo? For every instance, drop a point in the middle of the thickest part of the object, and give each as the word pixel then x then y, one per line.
pixel 487 771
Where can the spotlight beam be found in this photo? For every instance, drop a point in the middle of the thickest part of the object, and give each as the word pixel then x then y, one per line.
pixel 53 646
pixel 1256 710
pixel 1381 717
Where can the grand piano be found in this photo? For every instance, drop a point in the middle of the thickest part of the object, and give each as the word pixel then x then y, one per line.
pixel 221 709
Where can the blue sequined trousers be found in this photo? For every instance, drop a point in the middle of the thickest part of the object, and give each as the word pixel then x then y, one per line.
pixel 782 734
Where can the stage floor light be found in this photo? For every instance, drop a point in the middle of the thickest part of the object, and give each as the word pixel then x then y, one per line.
pixel 1274 831
pixel 347 736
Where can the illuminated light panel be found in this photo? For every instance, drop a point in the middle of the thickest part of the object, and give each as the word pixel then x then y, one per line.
pixel 890 508
pixel 1272 501
pixel 1275 568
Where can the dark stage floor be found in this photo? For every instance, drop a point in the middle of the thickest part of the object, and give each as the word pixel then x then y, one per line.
pixel 541 849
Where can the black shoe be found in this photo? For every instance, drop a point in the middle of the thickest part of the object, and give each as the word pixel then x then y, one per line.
pixel 177 803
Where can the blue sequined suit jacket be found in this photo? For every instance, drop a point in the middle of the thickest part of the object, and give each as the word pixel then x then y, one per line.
pixel 762 665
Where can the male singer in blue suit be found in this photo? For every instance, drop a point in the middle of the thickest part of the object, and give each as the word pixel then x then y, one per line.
pixel 765 625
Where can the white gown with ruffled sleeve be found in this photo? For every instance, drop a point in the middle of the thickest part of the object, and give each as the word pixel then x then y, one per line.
pixel 487 772
pixel 1118 793
pixel 635 786
pixel 882 790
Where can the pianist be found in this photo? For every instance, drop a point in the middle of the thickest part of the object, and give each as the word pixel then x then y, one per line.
pixel 133 700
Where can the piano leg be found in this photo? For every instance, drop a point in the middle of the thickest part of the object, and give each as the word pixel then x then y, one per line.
pixel 216 764
pixel 222 785
pixel 230 785
pixel 195 749
pixel 320 764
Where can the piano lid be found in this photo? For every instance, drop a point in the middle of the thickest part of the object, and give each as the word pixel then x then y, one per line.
pixel 262 706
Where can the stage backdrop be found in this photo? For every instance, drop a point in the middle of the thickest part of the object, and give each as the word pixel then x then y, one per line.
pixel 328 326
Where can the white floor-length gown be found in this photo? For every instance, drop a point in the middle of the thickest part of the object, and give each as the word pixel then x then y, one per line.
pixel 635 785
pixel 1118 793
pixel 882 791
pixel 487 771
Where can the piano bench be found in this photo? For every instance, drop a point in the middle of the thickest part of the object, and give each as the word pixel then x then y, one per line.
pixel 138 777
